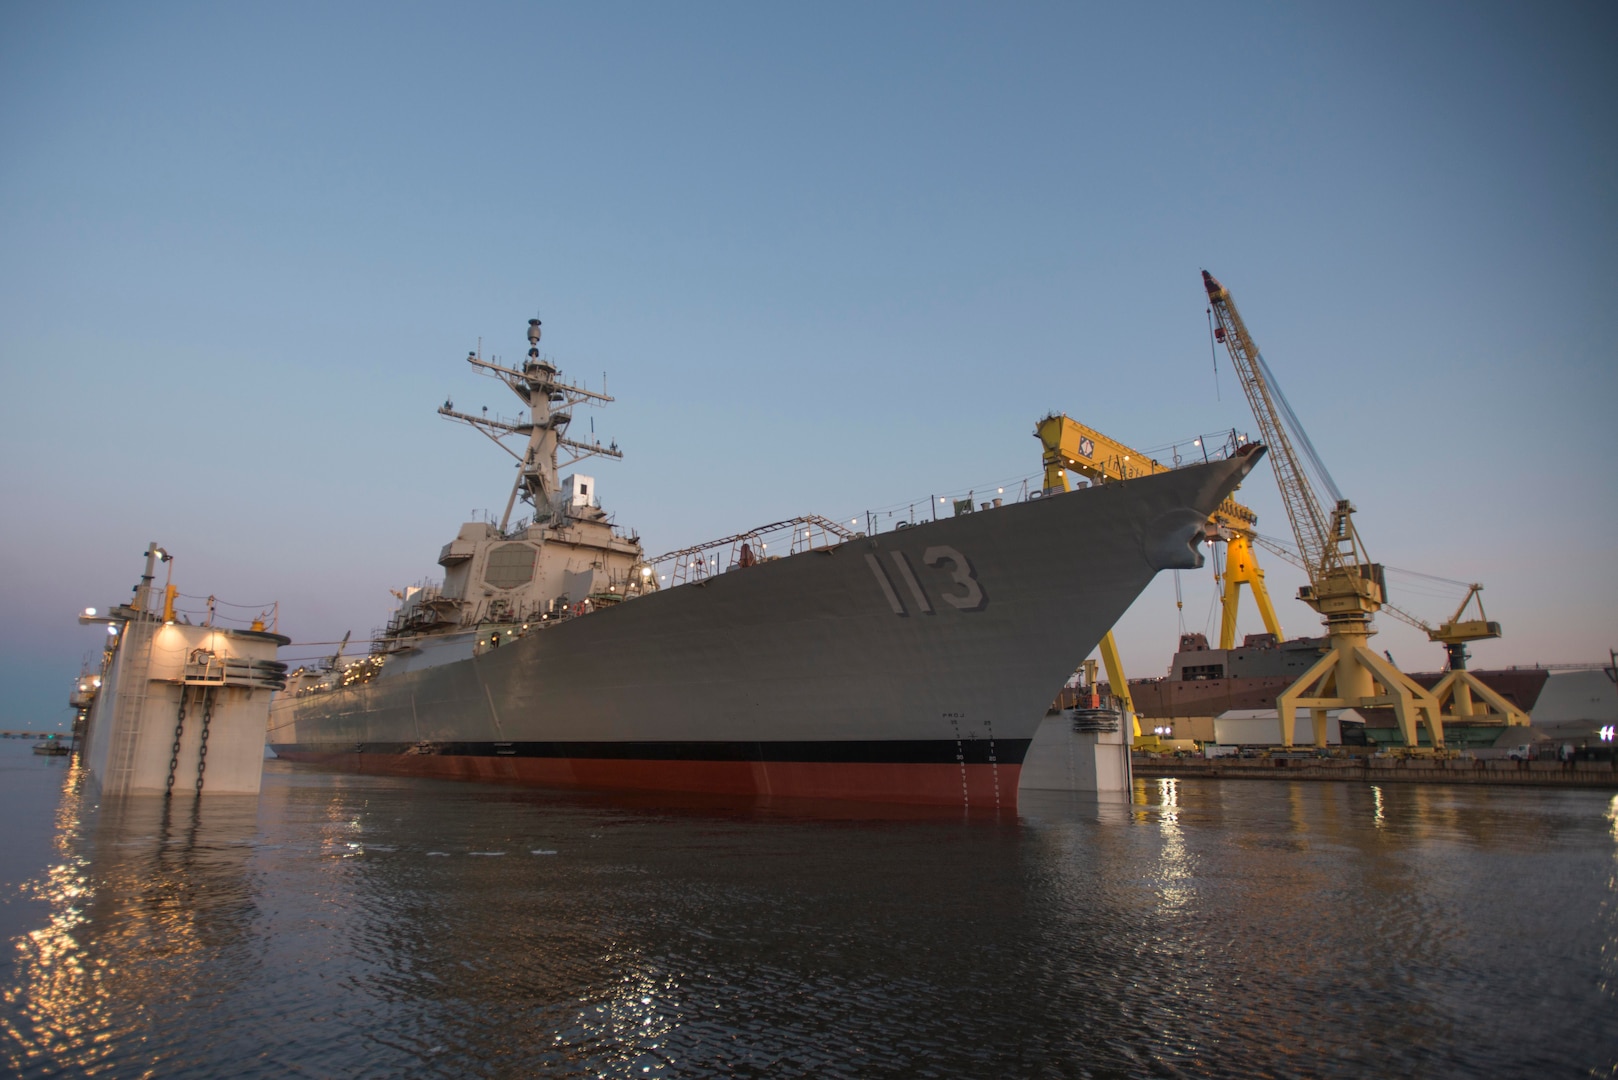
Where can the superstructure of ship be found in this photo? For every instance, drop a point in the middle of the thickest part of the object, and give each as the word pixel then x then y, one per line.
pixel 913 665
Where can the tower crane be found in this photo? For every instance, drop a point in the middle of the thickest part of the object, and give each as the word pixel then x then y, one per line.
pixel 1458 685
pixel 1345 586
pixel 1070 445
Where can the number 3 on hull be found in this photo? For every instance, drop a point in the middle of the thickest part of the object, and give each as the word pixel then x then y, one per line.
pixel 970 596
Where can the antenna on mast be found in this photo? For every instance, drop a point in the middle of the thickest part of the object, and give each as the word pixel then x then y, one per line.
pixel 541 425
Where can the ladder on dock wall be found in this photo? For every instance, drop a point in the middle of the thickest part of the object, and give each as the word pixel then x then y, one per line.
pixel 129 707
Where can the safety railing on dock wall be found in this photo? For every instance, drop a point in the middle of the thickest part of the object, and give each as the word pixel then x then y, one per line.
pixel 1389 769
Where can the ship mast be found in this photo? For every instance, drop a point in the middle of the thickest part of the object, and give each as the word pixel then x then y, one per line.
pixel 549 403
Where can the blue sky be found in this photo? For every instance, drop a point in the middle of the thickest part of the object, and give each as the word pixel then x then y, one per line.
pixel 830 257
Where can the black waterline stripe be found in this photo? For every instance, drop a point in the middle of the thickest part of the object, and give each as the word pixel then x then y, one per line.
pixel 875 751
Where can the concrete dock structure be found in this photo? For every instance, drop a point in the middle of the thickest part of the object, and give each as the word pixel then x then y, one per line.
pixel 181 708
pixel 1078 750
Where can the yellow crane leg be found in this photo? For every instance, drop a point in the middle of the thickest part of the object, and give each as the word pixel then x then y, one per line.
pixel 1286 704
pixel 1459 686
pixel 1120 685
pixel 1411 699
pixel 1241 567
pixel 1463 699
pixel 1055 474
pixel 1353 674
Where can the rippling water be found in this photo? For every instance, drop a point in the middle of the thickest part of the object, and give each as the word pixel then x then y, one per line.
pixel 357 926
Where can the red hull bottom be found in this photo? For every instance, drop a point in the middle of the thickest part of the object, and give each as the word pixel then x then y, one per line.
pixel 977 786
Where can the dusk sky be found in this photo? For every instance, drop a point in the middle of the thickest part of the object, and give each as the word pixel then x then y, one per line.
pixel 829 257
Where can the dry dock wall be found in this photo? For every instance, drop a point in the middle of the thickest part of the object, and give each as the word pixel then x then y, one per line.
pixel 1582 774
pixel 138 741
pixel 1061 759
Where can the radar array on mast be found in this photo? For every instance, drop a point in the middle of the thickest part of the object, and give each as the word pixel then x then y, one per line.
pixel 549 401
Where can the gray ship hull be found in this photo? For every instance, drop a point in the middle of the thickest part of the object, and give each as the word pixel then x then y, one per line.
pixel 911 666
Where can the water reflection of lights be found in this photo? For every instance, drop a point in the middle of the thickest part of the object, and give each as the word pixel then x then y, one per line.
pixel 1612 816
pixel 1168 796
pixel 57 1000
pixel 341 833
pixel 143 894
pixel 1176 867
pixel 627 1029
pixel 1378 817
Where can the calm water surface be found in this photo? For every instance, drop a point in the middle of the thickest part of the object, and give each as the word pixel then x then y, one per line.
pixel 353 926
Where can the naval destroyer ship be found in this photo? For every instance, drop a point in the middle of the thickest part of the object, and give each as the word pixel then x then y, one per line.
pixel 912 665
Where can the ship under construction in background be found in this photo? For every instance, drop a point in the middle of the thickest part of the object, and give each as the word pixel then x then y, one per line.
pixel 1204 681
pixel 914 665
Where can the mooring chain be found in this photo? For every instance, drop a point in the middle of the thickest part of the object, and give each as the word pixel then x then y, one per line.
pixel 202 751
pixel 174 754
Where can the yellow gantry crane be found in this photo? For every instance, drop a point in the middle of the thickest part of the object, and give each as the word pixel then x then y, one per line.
pixel 1344 585
pixel 1459 685
pixel 1456 689
pixel 1072 446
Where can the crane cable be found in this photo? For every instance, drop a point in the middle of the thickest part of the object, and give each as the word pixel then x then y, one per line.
pixel 1179 602
pixel 1298 432
pixel 1283 549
